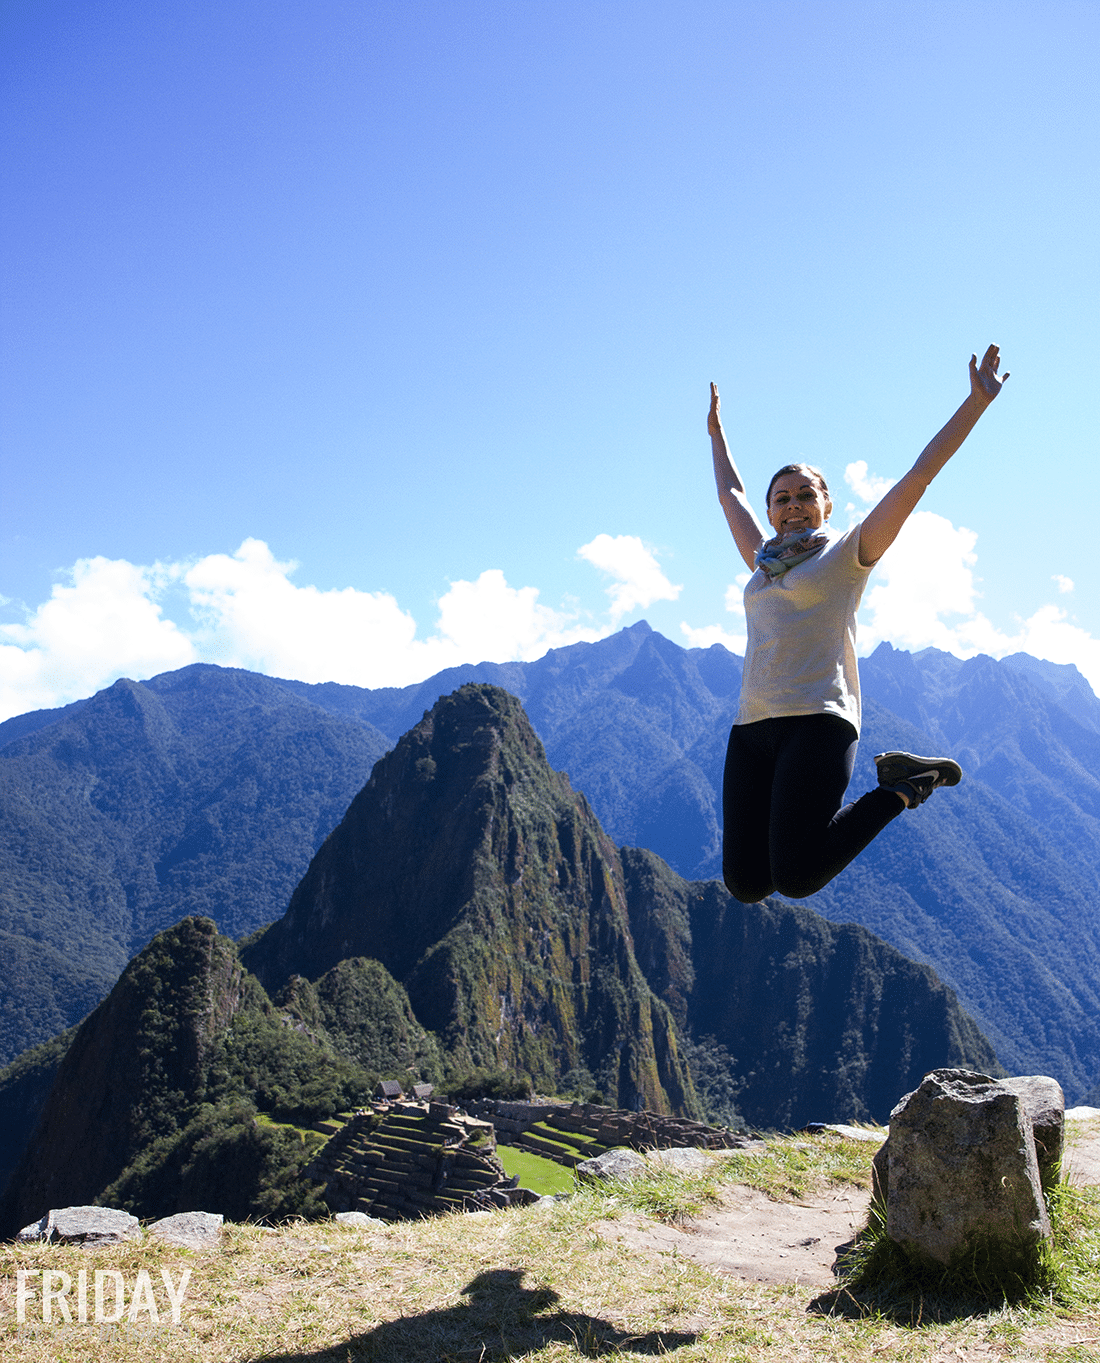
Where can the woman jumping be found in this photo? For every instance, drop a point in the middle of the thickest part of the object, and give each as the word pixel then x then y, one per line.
pixel 793 743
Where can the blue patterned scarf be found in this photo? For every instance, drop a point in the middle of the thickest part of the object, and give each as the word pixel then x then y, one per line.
pixel 785 551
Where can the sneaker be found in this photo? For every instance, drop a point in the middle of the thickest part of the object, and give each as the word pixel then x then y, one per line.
pixel 918 776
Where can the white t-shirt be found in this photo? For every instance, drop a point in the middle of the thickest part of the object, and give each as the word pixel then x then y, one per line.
pixel 801 653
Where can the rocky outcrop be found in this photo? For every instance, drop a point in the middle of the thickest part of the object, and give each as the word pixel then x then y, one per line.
pixel 1044 1107
pixel 619 1164
pixel 189 1230
pixel 960 1175
pixel 82 1226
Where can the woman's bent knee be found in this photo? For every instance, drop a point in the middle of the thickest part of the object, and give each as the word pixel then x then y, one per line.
pixel 746 891
pixel 800 886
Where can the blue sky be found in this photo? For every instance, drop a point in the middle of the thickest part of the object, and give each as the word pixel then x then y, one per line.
pixel 350 340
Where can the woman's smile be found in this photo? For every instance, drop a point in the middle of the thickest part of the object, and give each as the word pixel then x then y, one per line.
pixel 797 503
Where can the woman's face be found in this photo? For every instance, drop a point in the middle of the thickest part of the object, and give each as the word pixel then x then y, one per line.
pixel 797 503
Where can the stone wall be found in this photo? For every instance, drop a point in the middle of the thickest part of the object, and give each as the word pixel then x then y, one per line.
pixel 569 1133
pixel 407 1159
pixel 403 1159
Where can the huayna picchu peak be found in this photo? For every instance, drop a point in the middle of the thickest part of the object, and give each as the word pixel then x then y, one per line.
pixel 483 882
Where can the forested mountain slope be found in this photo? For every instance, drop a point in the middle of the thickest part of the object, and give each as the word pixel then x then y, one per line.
pixel 202 792
pixel 996 884
pixel 468 914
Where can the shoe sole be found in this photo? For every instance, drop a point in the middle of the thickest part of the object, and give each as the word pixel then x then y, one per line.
pixel 899 766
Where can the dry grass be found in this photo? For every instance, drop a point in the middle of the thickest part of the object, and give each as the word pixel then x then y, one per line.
pixel 534 1283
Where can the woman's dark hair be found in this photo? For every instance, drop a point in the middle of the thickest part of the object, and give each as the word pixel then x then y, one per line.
pixel 815 474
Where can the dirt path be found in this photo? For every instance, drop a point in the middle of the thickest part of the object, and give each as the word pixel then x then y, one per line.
pixel 752 1237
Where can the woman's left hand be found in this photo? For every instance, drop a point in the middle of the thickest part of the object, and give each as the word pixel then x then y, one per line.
pixel 985 382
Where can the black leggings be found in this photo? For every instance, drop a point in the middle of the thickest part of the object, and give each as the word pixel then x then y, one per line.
pixel 784 829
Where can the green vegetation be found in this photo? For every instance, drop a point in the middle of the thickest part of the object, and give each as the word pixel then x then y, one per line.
pixel 665 1194
pixel 285 1073
pixel 790 1168
pixel 214 1086
pixel 225 1131
pixel 230 1157
pixel 367 1018
pixel 535 1172
pixel 548 1284
pixel 464 1085
pixel 793 1166
pixel 879 1278
pixel 578 1085
pixel 568 1140
pixel 717 1081
pixel 202 792
pixel 24 1088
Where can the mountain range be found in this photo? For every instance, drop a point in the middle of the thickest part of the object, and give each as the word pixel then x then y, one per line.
pixel 206 791
pixel 467 916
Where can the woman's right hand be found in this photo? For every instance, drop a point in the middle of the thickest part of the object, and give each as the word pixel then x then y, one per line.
pixel 985 382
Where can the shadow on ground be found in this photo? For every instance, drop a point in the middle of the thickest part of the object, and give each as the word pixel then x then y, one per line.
pixel 904 1307
pixel 501 1320
pixel 890 1288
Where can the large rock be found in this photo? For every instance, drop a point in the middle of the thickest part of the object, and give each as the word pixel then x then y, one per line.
pixel 189 1230
pixel 1044 1106
pixel 83 1225
pixel 619 1163
pixel 963 1183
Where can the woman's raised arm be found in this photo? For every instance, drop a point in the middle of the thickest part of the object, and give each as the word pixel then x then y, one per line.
pixel 747 531
pixel 881 526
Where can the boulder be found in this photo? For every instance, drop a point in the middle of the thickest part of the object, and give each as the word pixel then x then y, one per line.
pixel 83 1225
pixel 621 1162
pixel 189 1230
pixel 961 1178
pixel 1044 1106
pixel 358 1219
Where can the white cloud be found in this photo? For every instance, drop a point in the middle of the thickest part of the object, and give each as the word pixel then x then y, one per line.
pixel 640 579
pixel 245 611
pixel 487 619
pixel 251 615
pixel 926 574
pixel 867 489
pixel 103 625
pixel 735 640
pixel 925 594
pixel 706 635
pixel 255 617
